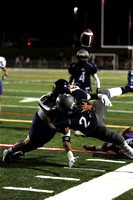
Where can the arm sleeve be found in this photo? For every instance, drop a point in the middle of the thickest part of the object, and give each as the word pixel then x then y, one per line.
pixel 97 81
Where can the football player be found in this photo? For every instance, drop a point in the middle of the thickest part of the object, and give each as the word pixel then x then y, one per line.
pixel 127 133
pixel 4 68
pixel 40 132
pixel 91 122
pixel 82 70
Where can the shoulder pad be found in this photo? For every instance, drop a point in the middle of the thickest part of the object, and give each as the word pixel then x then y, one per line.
pixel 74 87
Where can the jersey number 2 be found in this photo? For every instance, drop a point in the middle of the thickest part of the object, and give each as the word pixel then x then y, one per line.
pixel 84 122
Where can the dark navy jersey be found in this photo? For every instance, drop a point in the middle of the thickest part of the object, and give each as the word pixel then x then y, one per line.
pixel 85 122
pixel 81 72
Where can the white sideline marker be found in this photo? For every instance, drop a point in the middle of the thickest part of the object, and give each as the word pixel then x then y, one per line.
pixel 103 160
pixel 27 189
pixel 58 178
pixel 107 186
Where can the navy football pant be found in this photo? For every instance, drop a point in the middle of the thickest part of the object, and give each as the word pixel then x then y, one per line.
pixel 39 134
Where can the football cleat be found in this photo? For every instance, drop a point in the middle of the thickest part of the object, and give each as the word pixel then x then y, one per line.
pixel 6 155
pixel 90 147
pixel 130 80
pixel 79 134
pixel 17 154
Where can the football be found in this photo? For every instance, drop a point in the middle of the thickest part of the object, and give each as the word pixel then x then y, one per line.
pixel 86 38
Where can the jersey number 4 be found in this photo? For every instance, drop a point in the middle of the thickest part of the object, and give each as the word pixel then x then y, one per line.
pixel 84 122
pixel 82 77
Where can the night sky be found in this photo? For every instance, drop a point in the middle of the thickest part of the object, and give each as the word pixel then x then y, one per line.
pixel 53 23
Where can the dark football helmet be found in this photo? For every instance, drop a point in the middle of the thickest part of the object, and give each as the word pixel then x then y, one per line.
pixel 61 86
pixel 82 54
pixel 79 95
pixel 65 102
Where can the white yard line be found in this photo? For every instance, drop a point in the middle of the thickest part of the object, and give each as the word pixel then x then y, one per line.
pixel 15 106
pixel 58 178
pixel 45 92
pixel 107 186
pixel 122 101
pixel 29 99
pixel 103 160
pixel 85 169
pixel 48 70
pixel 27 189
pixel 27 91
pixel 120 111
pixel 18 106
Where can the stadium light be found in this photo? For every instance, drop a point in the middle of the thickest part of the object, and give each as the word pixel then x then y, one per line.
pixel 75 10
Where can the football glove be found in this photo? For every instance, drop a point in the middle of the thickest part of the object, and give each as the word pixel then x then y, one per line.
pixel 4 77
pixel 105 100
pixel 72 161
pixel 71 158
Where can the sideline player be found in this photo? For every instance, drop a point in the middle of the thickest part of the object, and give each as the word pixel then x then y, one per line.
pixel 91 122
pixel 82 70
pixel 4 77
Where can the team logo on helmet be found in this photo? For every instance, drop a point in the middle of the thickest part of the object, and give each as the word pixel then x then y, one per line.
pixel 61 86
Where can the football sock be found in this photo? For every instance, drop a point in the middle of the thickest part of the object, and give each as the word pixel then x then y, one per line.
pixel 95 148
pixel 125 89
pixel 126 149
pixel 115 92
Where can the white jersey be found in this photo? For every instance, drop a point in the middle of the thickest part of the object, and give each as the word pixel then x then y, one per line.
pixel 47 103
pixel 2 62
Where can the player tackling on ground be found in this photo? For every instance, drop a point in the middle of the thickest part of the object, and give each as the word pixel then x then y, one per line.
pixel 42 130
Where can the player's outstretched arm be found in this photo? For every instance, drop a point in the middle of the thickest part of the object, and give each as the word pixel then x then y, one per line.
pixel 67 146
